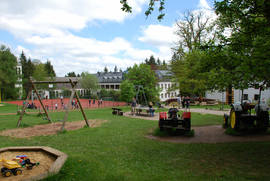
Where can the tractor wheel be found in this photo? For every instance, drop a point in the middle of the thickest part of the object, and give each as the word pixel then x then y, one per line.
pixel 17 171
pixel 225 119
pixel 161 124
pixel 3 169
pixel 187 124
pixel 235 122
pixel 264 121
pixel 7 173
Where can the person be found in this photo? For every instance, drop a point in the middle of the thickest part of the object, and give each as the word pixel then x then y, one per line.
pixel 55 106
pixel 77 105
pixel 133 105
pixel 151 109
pixel 62 105
pixel 187 101
pixel 47 107
pixel 65 106
pixel 179 101
pixel 89 102
pixel 61 98
pixel 94 101
pixel 101 101
pixel 183 102
pixel 98 103
pixel 263 100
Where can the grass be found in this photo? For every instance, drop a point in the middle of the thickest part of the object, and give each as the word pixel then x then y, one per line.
pixel 119 150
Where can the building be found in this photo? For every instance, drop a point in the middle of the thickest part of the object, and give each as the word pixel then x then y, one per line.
pixel 165 83
pixel 230 97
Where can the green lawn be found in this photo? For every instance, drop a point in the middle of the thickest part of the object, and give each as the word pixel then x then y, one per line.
pixel 119 150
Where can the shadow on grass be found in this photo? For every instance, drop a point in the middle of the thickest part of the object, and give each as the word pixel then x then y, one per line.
pixel 245 131
pixel 173 132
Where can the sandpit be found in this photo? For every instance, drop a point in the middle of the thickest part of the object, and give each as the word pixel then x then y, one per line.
pixel 46 161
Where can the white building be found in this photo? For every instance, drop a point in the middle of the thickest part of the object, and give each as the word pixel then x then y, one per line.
pixel 165 84
pixel 251 94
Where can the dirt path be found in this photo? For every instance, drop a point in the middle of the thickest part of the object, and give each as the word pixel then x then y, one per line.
pixel 49 129
pixel 210 134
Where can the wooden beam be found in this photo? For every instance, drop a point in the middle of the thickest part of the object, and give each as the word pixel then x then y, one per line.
pixel 68 107
pixel 24 106
pixel 33 85
pixel 78 99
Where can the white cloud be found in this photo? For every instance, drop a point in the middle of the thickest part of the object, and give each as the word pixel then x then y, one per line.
pixel 54 17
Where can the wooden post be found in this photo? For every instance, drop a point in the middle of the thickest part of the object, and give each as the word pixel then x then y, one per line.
pixel 67 111
pixel 33 85
pixel 24 106
pixel 78 99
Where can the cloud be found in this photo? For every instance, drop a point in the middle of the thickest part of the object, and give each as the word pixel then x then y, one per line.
pixel 55 17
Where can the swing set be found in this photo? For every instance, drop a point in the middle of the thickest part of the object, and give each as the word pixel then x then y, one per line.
pixel 73 85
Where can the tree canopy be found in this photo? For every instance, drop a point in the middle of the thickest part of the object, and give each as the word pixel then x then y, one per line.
pixel 8 74
pixel 143 75
pixel 89 81
pixel 242 58
pixel 126 91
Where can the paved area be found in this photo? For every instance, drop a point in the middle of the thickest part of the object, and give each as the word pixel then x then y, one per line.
pixel 143 115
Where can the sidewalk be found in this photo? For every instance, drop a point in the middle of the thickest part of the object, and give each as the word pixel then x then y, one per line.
pixel 143 115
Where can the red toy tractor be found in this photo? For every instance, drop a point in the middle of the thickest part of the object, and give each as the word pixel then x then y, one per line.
pixel 174 120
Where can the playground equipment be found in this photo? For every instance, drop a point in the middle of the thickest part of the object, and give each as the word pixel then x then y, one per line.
pixel 240 115
pixel 174 120
pixel 73 85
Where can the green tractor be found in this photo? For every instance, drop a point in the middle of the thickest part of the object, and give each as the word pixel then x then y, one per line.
pixel 241 116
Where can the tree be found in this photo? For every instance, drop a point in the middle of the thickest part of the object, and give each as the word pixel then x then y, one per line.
pixel 48 67
pixel 28 69
pixel 249 43
pixel 9 76
pixel 150 9
pixel 143 75
pixel 89 81
pixel 71 74
pixel 192 30
pixel 105 69
pixel 126 91
pixel 40 74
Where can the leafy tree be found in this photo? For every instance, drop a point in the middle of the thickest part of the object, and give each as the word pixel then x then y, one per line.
pixel 158 61
pixel 249 43
pixel 191 30
pixel 143 75
pixel 40 74
pixel 127 91
pixel 89 81
pixel 71 74
pixel 150 9
pixel 105 69
pixel 48 67
pixel 8 77
pixel 28 69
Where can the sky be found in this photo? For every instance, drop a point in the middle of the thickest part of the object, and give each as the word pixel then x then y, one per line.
pixel 87 35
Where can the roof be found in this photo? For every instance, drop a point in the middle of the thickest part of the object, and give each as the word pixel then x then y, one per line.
pixel 112 77
pixel 163 74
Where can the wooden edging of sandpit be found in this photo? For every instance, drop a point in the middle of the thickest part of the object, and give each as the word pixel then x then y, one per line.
pixel 55 168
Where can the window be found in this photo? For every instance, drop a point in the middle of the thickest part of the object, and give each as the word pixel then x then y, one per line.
pixel 116 86
pixel 172 95
pixel 112 87
pixel 168 95
pixel 165 95
pixel 161 85
pixel 245 96
pixel 107 86
pixel 175 94
pixel 169 86
pixel 161 95
pixel 165 86
pixel 102 86
pixel 256 97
